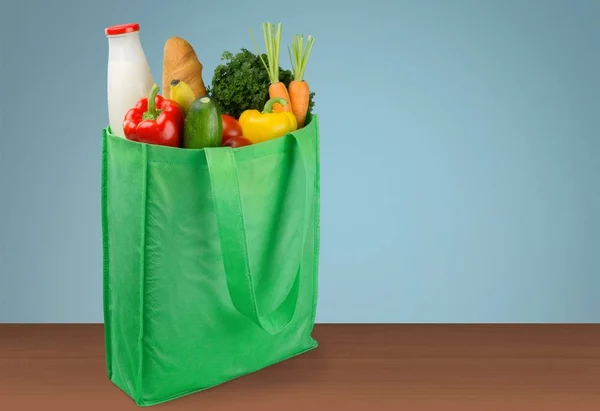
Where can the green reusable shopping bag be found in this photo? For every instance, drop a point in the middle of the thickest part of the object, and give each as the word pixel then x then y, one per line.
pixel 210 260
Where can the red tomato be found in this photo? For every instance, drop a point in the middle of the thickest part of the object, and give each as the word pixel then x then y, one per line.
pixel 231 128
pixel 237 141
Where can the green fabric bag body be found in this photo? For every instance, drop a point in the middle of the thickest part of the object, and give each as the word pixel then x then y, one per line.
pixel 210 260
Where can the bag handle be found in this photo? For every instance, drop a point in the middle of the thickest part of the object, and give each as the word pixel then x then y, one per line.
pixel 223 173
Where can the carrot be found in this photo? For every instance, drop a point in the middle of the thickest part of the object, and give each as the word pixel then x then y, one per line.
pixel 298 89
pixel 276 88
pixel 299 96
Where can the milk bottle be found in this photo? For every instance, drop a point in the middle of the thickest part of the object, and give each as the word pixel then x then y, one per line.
pixel 129 75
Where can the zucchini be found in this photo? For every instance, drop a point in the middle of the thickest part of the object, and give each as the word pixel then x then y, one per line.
pixel 203 126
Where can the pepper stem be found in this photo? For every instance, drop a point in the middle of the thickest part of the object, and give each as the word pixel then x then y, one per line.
pixel 269 104
pixel 152 112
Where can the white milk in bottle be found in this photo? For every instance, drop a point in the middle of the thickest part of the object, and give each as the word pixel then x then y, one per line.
pixel 129 75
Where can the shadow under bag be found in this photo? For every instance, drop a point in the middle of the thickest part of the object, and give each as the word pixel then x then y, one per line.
pixel 210 260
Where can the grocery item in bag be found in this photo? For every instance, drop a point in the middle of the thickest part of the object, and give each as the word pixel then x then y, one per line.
pixel 129 75
pixel 180 62
pixel 203 124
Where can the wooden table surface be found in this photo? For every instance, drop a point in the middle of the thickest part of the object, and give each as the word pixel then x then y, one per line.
pixel 356 367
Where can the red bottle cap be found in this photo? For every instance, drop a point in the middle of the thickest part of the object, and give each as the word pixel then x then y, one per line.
pixel 122 29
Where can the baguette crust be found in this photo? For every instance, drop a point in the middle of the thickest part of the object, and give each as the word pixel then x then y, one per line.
pixel 180 62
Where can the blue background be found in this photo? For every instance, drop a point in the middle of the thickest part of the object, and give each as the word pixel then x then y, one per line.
pixel 460 151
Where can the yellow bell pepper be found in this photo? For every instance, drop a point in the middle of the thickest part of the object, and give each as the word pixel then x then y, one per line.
pixel 258 127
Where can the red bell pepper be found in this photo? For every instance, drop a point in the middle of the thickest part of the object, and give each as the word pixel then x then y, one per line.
pixel 154 120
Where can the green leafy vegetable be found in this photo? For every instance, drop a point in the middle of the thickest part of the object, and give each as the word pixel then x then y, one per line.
pixel 242 83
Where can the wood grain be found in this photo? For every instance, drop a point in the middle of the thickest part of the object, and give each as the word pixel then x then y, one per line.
pixel 356 367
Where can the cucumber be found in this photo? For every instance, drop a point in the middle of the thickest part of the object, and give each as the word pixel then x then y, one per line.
pixel 203 126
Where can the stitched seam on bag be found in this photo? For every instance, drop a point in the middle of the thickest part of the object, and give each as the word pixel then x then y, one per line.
pixel 106 259
pixel 138 390
pixel 317 222
pixel 256 155
pixel 247 160
pixel 243 159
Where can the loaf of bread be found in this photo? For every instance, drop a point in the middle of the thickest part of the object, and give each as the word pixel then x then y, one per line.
pixel 181 63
